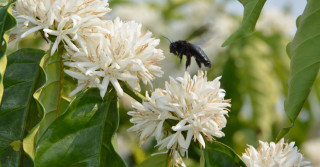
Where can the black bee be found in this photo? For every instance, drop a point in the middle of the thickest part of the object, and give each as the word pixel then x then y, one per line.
pixel 183 47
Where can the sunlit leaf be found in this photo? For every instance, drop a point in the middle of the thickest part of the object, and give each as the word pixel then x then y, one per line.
pixel 16 145
pixel 218 154
pixel 50 98
pixel 304 51
pixel 82 135
pixel 159 160
pixel 252 10
pixel 7 22
pixel 18 110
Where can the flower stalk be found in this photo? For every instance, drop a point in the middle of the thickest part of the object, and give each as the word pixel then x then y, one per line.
pixel 133 93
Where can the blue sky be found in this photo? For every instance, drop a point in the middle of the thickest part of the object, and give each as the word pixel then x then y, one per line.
pixel 296 6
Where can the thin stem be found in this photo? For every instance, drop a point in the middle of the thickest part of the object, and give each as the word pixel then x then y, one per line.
pixel 133 93
pixel 169 159
pixel 60 79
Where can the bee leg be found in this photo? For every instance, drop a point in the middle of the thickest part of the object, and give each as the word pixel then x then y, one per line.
pixel 188 61
pixel 180 57
pixel 198 62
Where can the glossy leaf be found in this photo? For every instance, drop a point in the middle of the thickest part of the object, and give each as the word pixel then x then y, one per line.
pixel 158 160
pixel 82 135
pixel 50 98
pixel 252 10
pixel 7 22
pixel 305 61
pixel 53 67
pixel 219 154
pixel 18 110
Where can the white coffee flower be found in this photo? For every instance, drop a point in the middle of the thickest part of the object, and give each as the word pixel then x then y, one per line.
pixel 274 155
pixel 118 51
pixel 188 108
pixel 60 19
pixel 149 117
pixel 84 81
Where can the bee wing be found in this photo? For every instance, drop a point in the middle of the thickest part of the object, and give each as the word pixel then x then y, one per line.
pixel 200 55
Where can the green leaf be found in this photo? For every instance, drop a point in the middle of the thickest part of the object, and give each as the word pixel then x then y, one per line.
pixel 16 145
pixel 252 10
pixel 18 112
pixel 50 97
pixel 158 160
pixel 219 154
pixel 7 22
pixel 304 51
pixel 82 135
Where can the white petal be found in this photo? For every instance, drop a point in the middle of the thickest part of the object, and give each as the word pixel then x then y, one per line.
pixel 55 45
pixel 117 86
pixel 75 75
pixel 201 140
pixel 31 30
pixel 158 132
pixel 70 44
pixel 104 84
pixel 75 91
pixel 179 125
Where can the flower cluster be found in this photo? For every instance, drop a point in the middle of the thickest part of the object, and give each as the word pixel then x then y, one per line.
pixel 122 53
pixel 60 19
pixel 188 108
pixel 273 155
pixel 98 51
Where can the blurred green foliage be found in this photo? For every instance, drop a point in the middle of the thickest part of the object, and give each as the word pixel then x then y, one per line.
pixel 254 71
